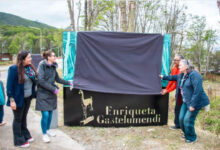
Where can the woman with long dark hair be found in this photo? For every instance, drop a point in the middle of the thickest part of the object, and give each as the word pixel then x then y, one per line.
pixel 47 91
pixel 20 91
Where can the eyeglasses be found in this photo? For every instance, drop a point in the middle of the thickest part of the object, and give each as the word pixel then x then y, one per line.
pixel 176 60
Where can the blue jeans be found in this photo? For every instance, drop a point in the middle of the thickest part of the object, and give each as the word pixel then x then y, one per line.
pixel 1 113
pixel 46 120
pixel 187 122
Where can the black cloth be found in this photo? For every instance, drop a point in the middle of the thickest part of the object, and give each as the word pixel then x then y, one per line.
pixel 115 62
pixel 20 132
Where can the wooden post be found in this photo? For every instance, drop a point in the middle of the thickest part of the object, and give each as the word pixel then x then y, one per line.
pixel 209 92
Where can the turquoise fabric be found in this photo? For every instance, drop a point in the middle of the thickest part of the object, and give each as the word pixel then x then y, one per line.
pixel 69 54
pixel 2 97
pixel 165 67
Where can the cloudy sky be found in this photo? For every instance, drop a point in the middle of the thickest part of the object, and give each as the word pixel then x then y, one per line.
pixel 207 8
pixel 55 12
pixel 51 12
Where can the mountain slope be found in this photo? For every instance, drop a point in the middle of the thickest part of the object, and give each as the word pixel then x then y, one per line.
pixel 13 20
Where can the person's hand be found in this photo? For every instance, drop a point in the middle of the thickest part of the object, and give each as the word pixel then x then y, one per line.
pixel 191 108
pixel 164 91
pixel 71 83
pixel 56 91
pixel 161 76
pixel 13 105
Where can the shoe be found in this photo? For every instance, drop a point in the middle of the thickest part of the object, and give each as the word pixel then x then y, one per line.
pixel 51 133
pixel 30 140
pixel 174 128
pixel 190 142
pixel 3 123
pixel 46 138
pixel 25 145
pixel 183 137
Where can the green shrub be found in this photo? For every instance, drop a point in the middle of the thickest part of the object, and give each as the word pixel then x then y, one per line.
pixel 211 120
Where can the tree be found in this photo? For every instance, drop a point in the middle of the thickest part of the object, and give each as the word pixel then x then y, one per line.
pixel 218 4
pixel 110 18
pixel 173 19
pixel 131 16
pixel 146 13
pixel 123 22
pixel 18 38
pixel 71 13
pixel 216 61
pixel 196 36
pixel 14 46
pixel 210 40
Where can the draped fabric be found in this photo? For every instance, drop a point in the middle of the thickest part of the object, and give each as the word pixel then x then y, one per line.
pixel 115 62
pixel 69 52
pixel 165 69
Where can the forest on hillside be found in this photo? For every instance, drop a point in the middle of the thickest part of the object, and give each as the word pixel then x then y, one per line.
pixel 16 38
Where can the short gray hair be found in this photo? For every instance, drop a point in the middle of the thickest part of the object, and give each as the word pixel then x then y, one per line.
pixel 180 56
pixel 186 63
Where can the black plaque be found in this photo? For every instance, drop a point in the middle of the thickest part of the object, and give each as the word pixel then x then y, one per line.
pixel 89 108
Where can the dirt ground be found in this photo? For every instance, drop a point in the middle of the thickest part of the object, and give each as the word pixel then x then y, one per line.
pixel 138 138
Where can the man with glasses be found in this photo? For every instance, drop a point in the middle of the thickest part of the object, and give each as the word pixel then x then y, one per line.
pixel 172 86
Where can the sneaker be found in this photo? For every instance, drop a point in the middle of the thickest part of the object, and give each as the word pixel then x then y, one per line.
pixel 174 128
pixel 51 133
pixel 190 142
pixel 25 145
pixel 30 140
pixel 3 123
pixel 183 137
pixel 46 138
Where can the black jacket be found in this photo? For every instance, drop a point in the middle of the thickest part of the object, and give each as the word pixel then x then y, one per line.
pixel 47 75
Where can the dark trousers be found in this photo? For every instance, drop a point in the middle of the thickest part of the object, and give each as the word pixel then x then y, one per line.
pixel 1 113
pixel 20 131
pixel 177 112
pixel 178 105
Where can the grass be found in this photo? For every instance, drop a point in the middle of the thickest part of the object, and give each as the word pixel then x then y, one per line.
pixel 134 141
pixel 209 121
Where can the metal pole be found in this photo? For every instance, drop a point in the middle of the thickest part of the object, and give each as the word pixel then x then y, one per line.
pixel 1 49
pixel 58 51
pixel 40 41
